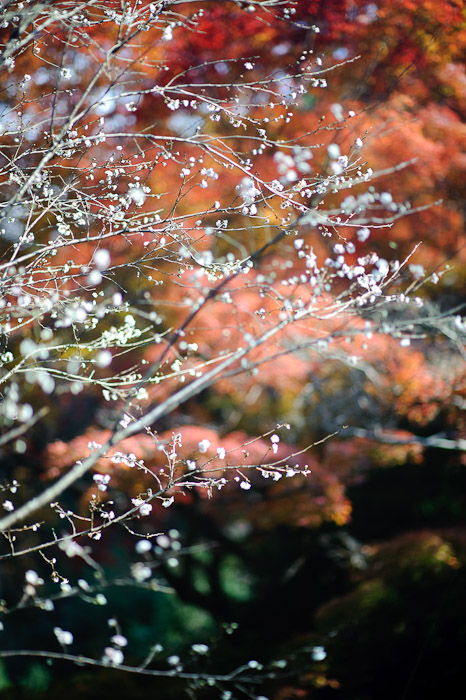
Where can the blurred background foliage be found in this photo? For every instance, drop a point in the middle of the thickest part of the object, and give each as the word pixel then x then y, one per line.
pixel 365 558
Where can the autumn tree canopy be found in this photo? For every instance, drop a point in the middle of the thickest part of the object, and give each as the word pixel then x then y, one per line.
pixel 232 344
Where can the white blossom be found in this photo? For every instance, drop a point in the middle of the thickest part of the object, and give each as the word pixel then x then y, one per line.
pixel 33 578
pixel 385 198
pixel 64 637
pixel 363 234
pixel 102 259
pixel 318 653
pixel 204 445
pixel 140 572
pixel 143 546
pixel 145 509
pixel 119 640
pixel 168 33
pixel 333 151
pixel 138 195
pixel 113 656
